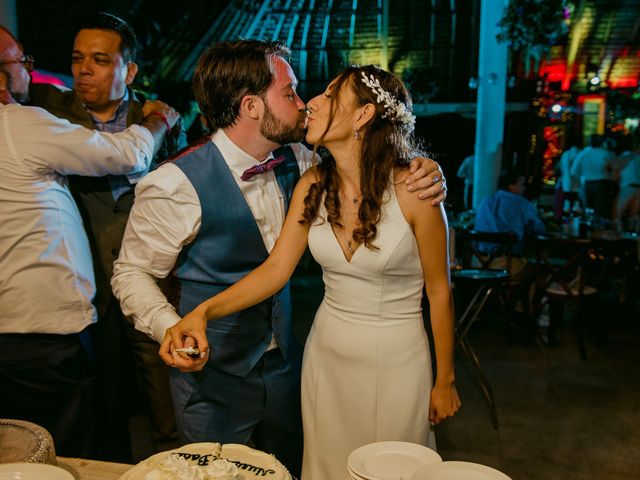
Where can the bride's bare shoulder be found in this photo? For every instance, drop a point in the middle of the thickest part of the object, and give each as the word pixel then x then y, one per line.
pixel 413 208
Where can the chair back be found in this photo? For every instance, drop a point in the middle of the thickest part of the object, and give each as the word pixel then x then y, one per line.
pixel 480 249
pixel 563 266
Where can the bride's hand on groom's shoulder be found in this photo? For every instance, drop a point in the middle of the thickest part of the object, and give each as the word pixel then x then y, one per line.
pixel 177 348
pixel 444 403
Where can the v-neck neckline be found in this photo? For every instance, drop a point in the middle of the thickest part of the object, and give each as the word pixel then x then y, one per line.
pixel 344 253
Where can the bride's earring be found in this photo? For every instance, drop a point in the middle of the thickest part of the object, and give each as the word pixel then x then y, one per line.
pixel 356 133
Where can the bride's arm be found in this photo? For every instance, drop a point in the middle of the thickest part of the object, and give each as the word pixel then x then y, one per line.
pixel 429 225
pixel 260 284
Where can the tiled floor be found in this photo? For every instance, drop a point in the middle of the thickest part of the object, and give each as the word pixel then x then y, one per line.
pixel 559 417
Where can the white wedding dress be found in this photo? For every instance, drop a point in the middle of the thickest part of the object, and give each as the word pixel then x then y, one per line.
pixel 366 374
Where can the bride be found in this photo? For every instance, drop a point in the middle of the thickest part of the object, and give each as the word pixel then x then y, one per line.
pixel 366 372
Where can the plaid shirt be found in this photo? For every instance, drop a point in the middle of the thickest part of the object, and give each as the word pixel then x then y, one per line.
pixel 119 183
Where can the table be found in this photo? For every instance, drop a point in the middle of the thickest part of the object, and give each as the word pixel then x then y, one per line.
pixel 83 469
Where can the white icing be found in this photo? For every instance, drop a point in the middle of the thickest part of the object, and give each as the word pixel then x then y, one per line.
pixel 175 467
pixel 209 461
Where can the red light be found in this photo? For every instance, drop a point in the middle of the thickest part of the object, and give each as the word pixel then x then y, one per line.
pixel 555 72
pixel 37 77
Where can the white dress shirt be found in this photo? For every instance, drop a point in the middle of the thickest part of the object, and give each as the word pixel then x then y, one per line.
pixel 593 164
pixel 630 172
pixel 466 169
pixel 46 273
pixel 570 183
pixel 166 216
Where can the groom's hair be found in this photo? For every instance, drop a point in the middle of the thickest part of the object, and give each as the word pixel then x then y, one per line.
pixel 228 71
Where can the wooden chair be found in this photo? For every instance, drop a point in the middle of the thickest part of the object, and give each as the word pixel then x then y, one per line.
pixel 494 251
pixel 562 278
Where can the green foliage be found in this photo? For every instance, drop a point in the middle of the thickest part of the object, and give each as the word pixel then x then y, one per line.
pixel 534 26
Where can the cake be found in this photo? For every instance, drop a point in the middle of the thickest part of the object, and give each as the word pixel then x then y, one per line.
pixel 209 461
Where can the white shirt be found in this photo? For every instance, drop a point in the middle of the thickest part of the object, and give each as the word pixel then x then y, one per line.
pixel 630 173
pixel 466 170
pixel 46 273
pixel 166 217
pixel 570 183
pixel 593 163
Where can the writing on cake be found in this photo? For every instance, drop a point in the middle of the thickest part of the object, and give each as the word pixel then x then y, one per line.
pixel 204 460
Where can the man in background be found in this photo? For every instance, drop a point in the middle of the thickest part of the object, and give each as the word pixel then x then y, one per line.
pixel 47 283
pixel 594 166
pixel 568 187
pixel 628 209
pixel 103 67
pixel 508 211
pixel 465 171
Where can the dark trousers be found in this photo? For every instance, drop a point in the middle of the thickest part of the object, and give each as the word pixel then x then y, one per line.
pixel 559 199
pixel 113 387
pixel 46 379
pixel 261 409
pixel 600 196
pixel 128 364
pixel 152 377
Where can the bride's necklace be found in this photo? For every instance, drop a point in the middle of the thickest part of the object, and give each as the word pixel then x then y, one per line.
pixel 348 233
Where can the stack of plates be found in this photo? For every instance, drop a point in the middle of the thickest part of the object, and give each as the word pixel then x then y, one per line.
pixel 457 471
pixel 389 461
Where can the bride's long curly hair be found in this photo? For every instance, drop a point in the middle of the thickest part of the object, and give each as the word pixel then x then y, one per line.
pixel 386 143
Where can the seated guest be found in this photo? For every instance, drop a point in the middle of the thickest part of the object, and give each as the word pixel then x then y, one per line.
pixel 47 284
pixel 508 211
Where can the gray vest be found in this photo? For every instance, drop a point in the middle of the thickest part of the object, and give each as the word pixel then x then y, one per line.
pixel 228 246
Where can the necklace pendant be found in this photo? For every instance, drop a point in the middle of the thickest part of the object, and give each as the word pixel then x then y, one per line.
pixel 349 246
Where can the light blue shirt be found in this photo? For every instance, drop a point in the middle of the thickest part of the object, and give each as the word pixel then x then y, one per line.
pixel 507 212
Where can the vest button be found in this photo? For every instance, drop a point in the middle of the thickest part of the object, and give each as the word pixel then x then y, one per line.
pixel 116 209
pixel 114 252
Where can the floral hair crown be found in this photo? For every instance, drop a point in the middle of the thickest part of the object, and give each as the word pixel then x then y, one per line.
pixel 393 109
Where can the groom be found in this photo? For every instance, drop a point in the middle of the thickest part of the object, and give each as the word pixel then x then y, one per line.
pixel 208 218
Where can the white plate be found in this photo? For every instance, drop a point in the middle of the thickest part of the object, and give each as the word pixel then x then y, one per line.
pixel 390 460
pixel 354 476
pixel 458 471
pixel 32 471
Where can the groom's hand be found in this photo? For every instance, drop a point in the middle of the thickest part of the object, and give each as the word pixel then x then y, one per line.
pixel 426 178
pixel 188 332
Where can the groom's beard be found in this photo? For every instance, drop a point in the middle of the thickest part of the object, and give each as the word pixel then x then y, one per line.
pixel 275 130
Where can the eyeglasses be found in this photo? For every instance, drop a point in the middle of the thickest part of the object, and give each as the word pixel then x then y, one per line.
pixel 27 62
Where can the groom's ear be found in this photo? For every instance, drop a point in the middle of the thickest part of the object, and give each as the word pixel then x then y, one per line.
pixel 251 106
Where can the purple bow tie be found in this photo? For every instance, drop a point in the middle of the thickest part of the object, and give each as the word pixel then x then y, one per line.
pixel 261 168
